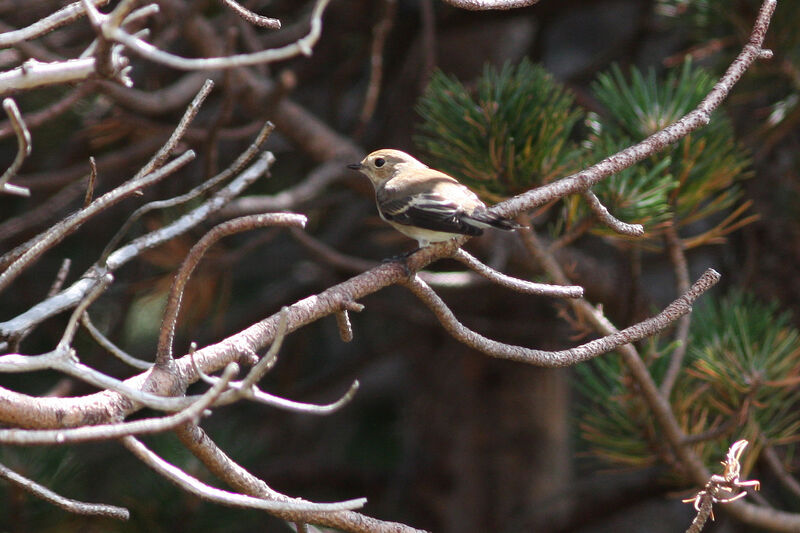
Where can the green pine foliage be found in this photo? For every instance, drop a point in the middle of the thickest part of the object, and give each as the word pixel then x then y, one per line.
pixel 510 134
pixel 740 381
pixel 744 372
pixel 638 194
pixel 515 130
pixel 703 171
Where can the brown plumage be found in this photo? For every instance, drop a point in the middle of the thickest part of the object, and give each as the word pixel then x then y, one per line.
pixel 423 203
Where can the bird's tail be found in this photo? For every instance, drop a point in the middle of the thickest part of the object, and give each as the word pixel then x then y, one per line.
pixel 486 218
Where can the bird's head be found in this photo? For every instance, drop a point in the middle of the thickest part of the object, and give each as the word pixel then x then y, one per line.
pixel 382 165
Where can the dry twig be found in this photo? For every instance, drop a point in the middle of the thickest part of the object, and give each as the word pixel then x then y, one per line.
pixel 23 149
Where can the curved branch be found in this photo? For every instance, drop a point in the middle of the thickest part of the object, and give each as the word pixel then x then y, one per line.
pixel 605 216
pixel 23 149
pixel 225 468
pixel 68 504
pixel 519 285
pixel 206 492
pixel 148 51
pixel 486 5
pixel 252 18
pixel 231 227
pixel 571 356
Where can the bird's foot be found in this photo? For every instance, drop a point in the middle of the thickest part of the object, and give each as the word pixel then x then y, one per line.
pixel 402 260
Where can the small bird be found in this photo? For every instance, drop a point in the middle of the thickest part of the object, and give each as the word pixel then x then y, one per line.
pixel 423 203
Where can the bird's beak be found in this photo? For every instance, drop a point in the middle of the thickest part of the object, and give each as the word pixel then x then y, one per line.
pixel 355 166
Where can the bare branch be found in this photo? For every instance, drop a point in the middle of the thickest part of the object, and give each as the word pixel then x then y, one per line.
pixel 252 18
pixel 379 33
pixel 145 426
pixel 604 216
pixel 343 323
pixel 33 73
pixel 699 117
pixel 23 149
pixel 485 5
pixel 61 277
pixel 59 231
pixel 91 296
pixel 50 111
pixel 112 348
pixel 148 51
pixel 775 465
pixel 721 488
pixel 231 227
pixel 519 285
pixel 87 198
pixel 70 296
pixel 680 267
pixel 69 505
pixel 308 189
pixel 63 16
pixel 206 492
pixel 225 468
pixel 672 312
pixel 232 170
pixel 188 116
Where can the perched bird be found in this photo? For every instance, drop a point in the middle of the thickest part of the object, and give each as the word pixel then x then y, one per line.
pixel 423 203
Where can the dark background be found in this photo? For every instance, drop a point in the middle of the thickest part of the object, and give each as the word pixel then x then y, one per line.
pixel 439 437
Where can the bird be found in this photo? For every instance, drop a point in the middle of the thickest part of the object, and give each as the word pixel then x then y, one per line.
pixel 424 203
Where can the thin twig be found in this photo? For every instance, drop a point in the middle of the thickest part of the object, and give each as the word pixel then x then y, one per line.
pixel 519 285
pixel 657 142
pixel 68 504
pixel 148 51
pixel 72 323
pixel 206 492
pixel 680 267
pixel 87 198
pixel 232 170
pixel 112 348
pixel 70 296
pixel 485 5
pixel 776 466
pixel 61 277
pixel 63 16
pixel 225 468
pixel 705 507
pixel 604 216
pixel 188 116
pixel 252 18
pixel 379 33
pixel 231 227
pixel 32 74
pixel 59 231
pixel 23 149
pixel 308 189
pixel 343 323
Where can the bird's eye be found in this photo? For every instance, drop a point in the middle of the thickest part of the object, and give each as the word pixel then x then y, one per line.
pixel 380 162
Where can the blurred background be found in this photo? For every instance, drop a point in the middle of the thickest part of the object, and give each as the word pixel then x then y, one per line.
pixel 439 436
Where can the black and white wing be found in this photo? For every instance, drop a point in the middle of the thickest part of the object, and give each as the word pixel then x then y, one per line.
pixel 431 211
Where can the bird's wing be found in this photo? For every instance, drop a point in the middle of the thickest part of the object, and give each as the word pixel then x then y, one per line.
pixel 431 211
